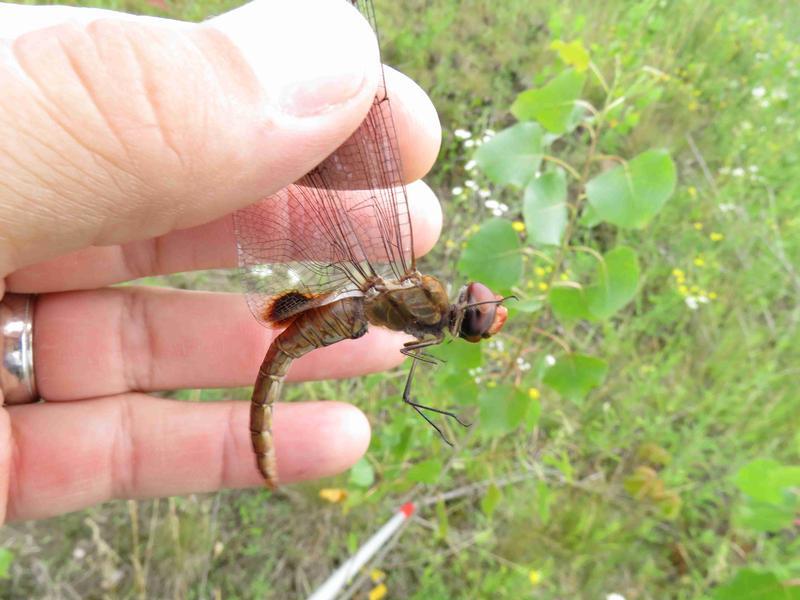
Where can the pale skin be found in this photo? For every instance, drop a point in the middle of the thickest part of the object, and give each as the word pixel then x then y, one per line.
pixel 125 145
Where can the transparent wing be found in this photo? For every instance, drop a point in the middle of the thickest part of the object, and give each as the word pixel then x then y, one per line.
pixel 339 228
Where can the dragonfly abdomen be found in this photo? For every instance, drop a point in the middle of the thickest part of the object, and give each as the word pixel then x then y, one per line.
pixel 315 328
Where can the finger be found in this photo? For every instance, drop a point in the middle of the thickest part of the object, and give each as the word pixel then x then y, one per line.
pixel 208 246
pixel 126 129
pixel 99 343
pixel 69 456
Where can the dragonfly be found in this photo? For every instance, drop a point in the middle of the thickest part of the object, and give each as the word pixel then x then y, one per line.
pixel 332 254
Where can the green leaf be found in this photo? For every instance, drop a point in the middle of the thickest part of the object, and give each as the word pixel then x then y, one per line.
pixel 629 196
pixel 490 500
pixel 545 208
pixel 513 156
pixel 503 409
pixel 544 498
pixel 362 474
pixel 492 255
pixel 427 471
pixel 767 480
pixel 569 303
pixel 756 585
pixel 529 305
pixel 575 375
pixel 573 54
pixel 617 281
pixel 6 558
pixel 553 104
pixel 766 516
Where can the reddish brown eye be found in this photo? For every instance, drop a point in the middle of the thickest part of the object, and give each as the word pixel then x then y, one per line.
pixel 479 321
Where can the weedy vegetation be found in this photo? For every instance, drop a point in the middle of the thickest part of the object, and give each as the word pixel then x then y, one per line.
pixel 630 171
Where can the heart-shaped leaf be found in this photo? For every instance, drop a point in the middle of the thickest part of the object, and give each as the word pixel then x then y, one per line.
pixel 492 255
pixel 545 208
pixel 630 195
pixel 569 303
pixel 425 472
pixel 514 155
pixel 553 104
pixel 616 283
pixel 504 408
pixel 575 375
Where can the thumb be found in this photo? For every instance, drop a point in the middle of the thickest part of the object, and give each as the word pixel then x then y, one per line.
pixel 115 128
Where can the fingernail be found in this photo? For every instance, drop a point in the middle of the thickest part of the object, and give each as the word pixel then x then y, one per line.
pixel 309 55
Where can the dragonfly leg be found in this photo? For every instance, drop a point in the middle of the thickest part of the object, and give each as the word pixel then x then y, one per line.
pixel 420 407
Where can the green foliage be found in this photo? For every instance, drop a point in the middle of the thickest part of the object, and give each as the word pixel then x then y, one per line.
pixel 575 375
pixel 513 156
pixel 552 105
pixel 545 208
pixel 771 495
pixel 631 194
pixel 750 585
pixel 492 256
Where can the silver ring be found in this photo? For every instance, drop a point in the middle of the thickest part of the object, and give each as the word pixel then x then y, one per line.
pixel 17 379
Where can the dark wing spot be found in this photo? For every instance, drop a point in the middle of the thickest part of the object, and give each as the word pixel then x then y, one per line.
pixel 282 309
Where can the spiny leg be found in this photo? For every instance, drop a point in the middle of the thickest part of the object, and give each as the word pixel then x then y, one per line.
pixel 420 407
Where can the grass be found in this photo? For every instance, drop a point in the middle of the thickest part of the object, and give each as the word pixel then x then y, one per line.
pixel 706 390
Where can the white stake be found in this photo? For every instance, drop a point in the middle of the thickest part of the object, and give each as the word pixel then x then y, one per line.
pixel 334 584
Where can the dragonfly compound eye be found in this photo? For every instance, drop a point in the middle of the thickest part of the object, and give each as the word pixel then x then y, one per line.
pixel 483 315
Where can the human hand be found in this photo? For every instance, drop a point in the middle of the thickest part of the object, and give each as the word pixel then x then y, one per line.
pixel 125 145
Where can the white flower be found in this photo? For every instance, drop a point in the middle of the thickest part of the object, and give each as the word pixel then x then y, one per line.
pixel 471 164
pixel 471 184
pixel 469 143
pixel 489 133
pixel 614 596
pixel 484 193
pixel 759 92
pixel 462 134
pixel 692 302
pixel 458 190
pixel 727 207
pixel 550 359
pixel 78 553
pixel 492 204
pixel 737 172
pixel 753 168
pixel 764 104
pixel 503 207
pixel 780 94
pixel 497 212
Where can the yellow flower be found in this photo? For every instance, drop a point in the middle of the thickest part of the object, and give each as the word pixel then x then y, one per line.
pixel 377 575
pixel 692 191
pixel 684 291
pixel 378 592
pixel 697 225
pixel 333 495
pixel 693 105
pixel 491 384
pixel 716 236
pixel 450 244
pixel 474 228
pixel 678 273
pixel 518 226
pixel 699 262
pixel 535 577
pixel 529 285
pixel 534 393
pixel 564 277
pixel 540 272
pixel 695 289
pixel 712 295
pixel 543 286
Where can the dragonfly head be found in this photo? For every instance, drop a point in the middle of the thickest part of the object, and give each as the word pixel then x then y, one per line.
pixel 478 313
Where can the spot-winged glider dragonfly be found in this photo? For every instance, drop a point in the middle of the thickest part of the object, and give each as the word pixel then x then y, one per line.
pixel 323 264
